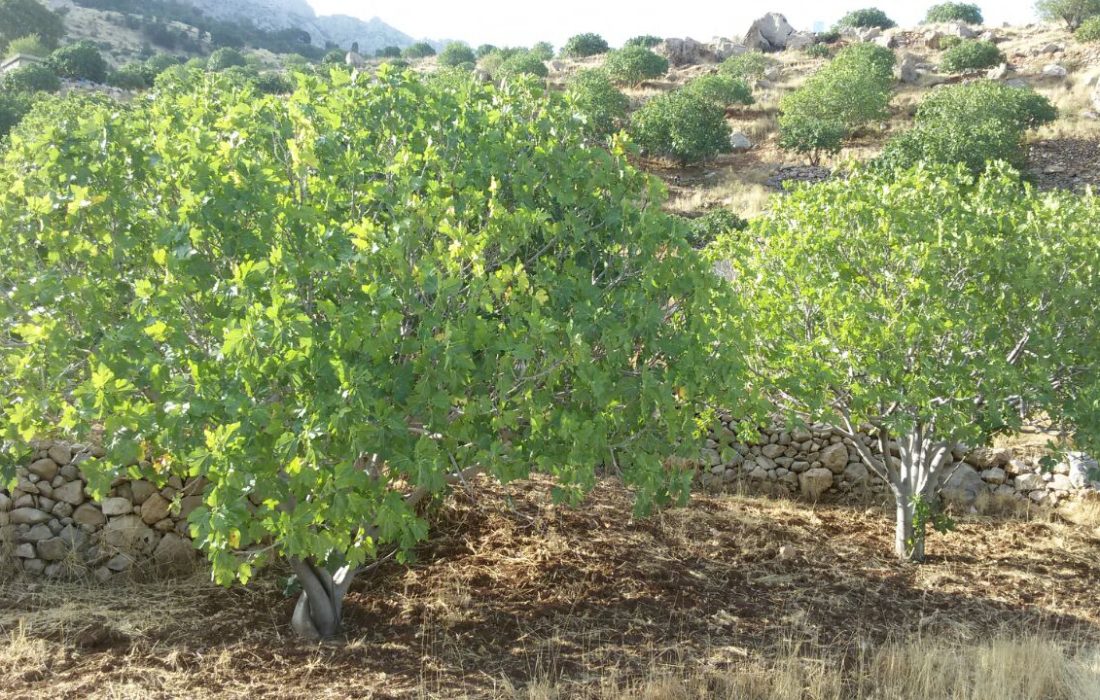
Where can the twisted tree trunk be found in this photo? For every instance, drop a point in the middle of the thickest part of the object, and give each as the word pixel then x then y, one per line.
pixel 319 613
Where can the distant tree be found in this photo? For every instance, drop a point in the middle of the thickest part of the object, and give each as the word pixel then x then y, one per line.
pixel 1072 12
pixel 157 64
pixel 336 57
pixel 132 76
pixel 224 58
pixel 21 18
pixel 583 45
pixel 14 106
pixel 646 41
pixel 866 19
pixel 522 63
pixel 543 50
pixel 421 49
pixel 634 64
pixel 456 54
pixel 748 67
pixel 721 90
pixel 31 79
pixel 386 52
pixel 1089 31
pixel 966 13
pixel 971 55
pixel 28 46
pixel 484 50
pixel 80 61
pixel 705 229
pixel 968 308
pixel 602 108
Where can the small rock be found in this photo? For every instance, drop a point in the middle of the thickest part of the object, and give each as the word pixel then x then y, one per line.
pixel 54 549
pixel 38 533
pixel 120 562
pixel 155 509
pixel 1054 70
pixel 739 141
pixel 815 482
pixel 1061 482
pixel 141 491
pixel 89 515
pixel 116 506
pixel 174 555
pixel 856 473
pixel 996 476
pixel 34 567
pixel 29 516
pixel 25 551
pixel 835 458
pixel 44 468
pixel 71 493
pixel 1029 482
pixel 61 454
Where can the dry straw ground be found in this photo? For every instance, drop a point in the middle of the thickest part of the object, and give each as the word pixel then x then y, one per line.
pixel 730 597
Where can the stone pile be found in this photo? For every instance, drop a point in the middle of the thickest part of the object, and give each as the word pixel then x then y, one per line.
pixel 51 526
pixel 820 461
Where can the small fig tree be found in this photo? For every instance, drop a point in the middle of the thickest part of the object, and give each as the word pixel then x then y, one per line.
pixel 333 304
pixel 929 308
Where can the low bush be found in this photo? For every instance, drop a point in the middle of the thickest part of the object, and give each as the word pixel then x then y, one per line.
pixel 721 90
pixel 747 67
pixel 682 126
pixel 634 64
pixel 420 49
pixel 830 37
pixel 646 41
pixel 706 228
pixel 971 55
pixel 80 61
pixel 818 51
pixel 225 58
pixel 582 45
pixel 522 63
pixel 273 83
pixel 543 50
pixel 866 19
pixel 13 107
pixel 28 46
pixel 484 50
pixel 964 12
pixel 811 135
pixel 386 52
pixel 599 104
pixel 132 76
pixel 973 123
pixel 455 54
pixel 32 78
pixel 1089 31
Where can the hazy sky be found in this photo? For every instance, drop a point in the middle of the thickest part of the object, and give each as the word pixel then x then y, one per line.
pixel 516 22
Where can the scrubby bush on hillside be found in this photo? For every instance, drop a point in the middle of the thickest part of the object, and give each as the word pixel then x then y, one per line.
pixel 973 124
pixel 1089 31
pixel 646 41
pixel 705 229
pixel 582 45
pixel 748 67
pixel 32 78
pixel 829 37
pixel 13 107
pixel 602 108
pixel 521 63
pixel 1072 12
pixel 330 322
pixel 132 76
pixel 811 135
pixel 866 19
pixel 966 13
pixel 23 18
pixel 157 64
pixel 543 50
pixel 721 90
pixel 335 57
pixel 456 54
pixel 971 55
pixel 28 46
pixel 682 126
pixel 484 50
pixel 80 61
pixel 420 49
pixel 385 52
pixel 817 51
pixel 634 64
pixel 222 59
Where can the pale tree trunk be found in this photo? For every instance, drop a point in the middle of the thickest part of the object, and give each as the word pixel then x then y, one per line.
pixel 913 477
pixel 319 613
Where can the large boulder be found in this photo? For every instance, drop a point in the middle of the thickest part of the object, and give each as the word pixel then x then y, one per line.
pixel 963 486
pixel 815 483
pixel 1096 97
pixel 683 52
pixel 174 555
pixel 1081 469
pixel 769 33
pixel 128 535
pixel 834 458
pixel 720 49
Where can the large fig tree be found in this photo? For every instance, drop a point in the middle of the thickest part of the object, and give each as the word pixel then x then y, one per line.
pixel 929 308
pixel 333 305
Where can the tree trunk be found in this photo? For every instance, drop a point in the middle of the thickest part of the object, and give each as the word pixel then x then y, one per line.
pixel 319 613
pixel 909 535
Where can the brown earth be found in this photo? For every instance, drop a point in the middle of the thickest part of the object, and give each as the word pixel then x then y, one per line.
pixel 515 593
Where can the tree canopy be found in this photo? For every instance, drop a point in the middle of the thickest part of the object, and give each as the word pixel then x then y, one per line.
pixel 21 18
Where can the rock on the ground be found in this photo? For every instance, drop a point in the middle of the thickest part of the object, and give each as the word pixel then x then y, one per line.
pixel 54 549
pixel 856 473
pixel 721 49
pixel 128 535
pixel 174 555
pixel 1053 70
pixel 769 33
pixel 1030 482
pixel 740 142
pixel 1081 468
pixel 963 486
pixel 815 482
pixel 683 52
pixel 835 458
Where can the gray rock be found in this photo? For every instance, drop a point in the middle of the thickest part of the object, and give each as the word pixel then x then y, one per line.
pixel 71 493
pixel 987 458
pixel 174 555
pixel 740 142
pixel 34 567
pixel 801 435
pixel 70 472
pixel 44 468
pixel 815 482
pixel 155 509
pixel 1030 482
pixel 5 503
pixel 129 535
pixel 120 562
pixel 24 551
pixel 54 549
pixel 29 516
pixel 1053 70
pixel 189 503
pixel 772 451
pixel 141 491
pixel 856 473
pixel 999 73
pixel 116 506
pixel 963 486
pixel 1061 482
pixel 683 52
pixel 61 454
pixel 1081 466
pixel 89 515
pixel 835 458
pixel 1096 97
pixel 996 476
pixel 800 40
pixel 721 49
pixel 769 33
pixel 37 533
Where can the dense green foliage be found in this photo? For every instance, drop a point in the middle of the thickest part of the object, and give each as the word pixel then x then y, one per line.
pixel 646 41
pixel 456 54
pixel 847 93
pixel 132 76
pixel 1089 31
pixel 420 49
pixel 928 304
pixel 384 52
pixel 23 18
pixel 866 19
pixel 971 55
pixel 1072 12
pixel 582 45
pixel 32 78
pixel 705 229
pixel 601 108
pixel 682 126
pixel 818 51
pixel 322 301
pixel 13 107
pixel 222 59
pixel 28 46
pixel 633 64
pixel 521 63
pixel 721 90
pixel 484 50
pixel 543 50
pixel 964 12
pixel 973 124
pixel 748 67
pixel 80 61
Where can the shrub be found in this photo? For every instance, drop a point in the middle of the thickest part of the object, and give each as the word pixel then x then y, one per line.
pixel 646 41
pixel 32 78
pixel 748 67
pixel 954 12
pixel 80 61
pixel 13 107
pixel 224 58
pixel 866 19
pixel 273 83
pixel 543 50
pixel 420 49
pixel 634 64
pixel 521 63
pixel 335 57
pixel 818 51
pixel 811 135
pixel 484 50
pixel 973 124
pixel 132 76
pixel 829 37
pixel 721 90
pixel 600 104
pixel 23 18
pixel 971 55
pixel 1089 31
pixel 384 52
pixel 28 46
pixel 1072 12
pixel 455 54
pixel 582 45
pixel 704 229
pixel 682 126
pixel 947 43
pixel 157 64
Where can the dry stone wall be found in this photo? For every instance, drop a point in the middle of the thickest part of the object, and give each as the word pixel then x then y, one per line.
pixel 51 526
pixel 820 462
